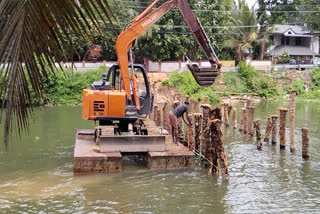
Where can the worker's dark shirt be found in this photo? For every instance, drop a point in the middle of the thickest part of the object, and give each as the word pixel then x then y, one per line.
pixel 180 109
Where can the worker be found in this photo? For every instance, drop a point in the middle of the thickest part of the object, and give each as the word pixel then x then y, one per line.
pixel 173 119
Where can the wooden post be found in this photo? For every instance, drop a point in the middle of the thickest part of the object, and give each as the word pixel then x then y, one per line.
pixel 245 121
pixel 166 111
pixel 256 125
pixel 248 103
pixel 274 128
pixel 155 111
pixel 190 136
pixel 206 100
pixel 305 143
pixel 292 109
pixel 215 113
pixel 234 118
pixel 282 130
pixel 226 115
pixel 241 120
pixel 205 135
pixel 268 130
pixel 197 128
pixel 158 120
pixel 154 86
pixel 250 113
pixel 216 139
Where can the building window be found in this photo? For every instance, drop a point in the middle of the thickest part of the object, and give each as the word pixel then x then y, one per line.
pixel 283 39
pixel 287 40
pixel 298 41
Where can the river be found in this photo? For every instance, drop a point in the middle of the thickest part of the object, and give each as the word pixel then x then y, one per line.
pixel 36 173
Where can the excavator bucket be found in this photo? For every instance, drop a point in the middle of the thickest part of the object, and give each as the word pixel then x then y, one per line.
pixel 204 76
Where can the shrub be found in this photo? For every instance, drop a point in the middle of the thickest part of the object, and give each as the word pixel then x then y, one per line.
pixel 298 85
pixel 186 84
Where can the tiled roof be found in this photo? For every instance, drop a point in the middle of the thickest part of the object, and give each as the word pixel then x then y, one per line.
pixel 293 51
pixel 297 29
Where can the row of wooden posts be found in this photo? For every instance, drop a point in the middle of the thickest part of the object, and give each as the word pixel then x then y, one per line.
pixel 247 115
pixel 204 137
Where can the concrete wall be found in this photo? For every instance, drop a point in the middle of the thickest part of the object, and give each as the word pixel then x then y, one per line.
pixel 261 62
pixel 170 66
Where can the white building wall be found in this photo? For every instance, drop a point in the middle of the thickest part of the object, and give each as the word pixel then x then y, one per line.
pixel 277 40
pixel 315 44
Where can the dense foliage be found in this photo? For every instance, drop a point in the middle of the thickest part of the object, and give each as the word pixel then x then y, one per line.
pixel 66 87
pixel 185 83
pixel 247 80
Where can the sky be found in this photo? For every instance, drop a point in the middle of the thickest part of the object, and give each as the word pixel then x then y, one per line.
pixel 251 2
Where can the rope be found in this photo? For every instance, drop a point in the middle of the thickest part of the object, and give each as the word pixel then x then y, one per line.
pixel 204 157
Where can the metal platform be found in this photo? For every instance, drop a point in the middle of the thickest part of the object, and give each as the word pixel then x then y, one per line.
pixel 90 158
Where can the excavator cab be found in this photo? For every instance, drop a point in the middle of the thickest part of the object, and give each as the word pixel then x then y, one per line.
pixel 142 86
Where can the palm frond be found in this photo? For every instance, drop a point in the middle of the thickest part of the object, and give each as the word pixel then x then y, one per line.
pixel 34 35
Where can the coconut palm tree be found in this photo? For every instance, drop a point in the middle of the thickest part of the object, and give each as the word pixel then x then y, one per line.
pixel 34 35
pixel 245 30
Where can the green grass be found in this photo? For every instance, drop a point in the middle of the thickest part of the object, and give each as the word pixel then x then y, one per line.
pixel 65 87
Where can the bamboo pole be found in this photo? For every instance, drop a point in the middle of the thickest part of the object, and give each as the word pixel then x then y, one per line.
pixel 234 118
pixel 282 130
pixel 292 109
pixel 305 142
pixel 250 113
pixel 274 128
pixel 268 130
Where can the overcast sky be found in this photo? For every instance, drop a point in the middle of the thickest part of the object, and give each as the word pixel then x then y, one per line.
pixel 251 2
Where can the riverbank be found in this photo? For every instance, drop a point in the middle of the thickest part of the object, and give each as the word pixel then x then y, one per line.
pixel 65 88
pixel 249 82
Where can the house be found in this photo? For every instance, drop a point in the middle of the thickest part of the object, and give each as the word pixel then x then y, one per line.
pixel 297 40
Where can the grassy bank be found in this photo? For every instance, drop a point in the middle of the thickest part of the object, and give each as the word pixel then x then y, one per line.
pixel 66 87
pixel 247 80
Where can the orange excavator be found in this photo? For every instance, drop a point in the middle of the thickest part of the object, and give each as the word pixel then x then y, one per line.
pixel 124 96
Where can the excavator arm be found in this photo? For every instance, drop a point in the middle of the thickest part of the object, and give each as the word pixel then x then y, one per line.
pixel 203 76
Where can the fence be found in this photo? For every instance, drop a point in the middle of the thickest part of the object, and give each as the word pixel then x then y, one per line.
pixel 171 66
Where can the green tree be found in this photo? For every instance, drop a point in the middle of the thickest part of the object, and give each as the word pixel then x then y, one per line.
pixel 245 31
pixel 280 12
pixel 35 35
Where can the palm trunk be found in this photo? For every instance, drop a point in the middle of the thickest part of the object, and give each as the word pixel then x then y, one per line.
pixel 262 48
pixel 239 53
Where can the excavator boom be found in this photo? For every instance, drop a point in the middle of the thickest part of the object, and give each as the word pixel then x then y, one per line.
pixel 203 76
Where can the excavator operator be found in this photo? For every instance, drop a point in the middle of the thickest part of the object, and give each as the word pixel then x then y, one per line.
pixel 173 119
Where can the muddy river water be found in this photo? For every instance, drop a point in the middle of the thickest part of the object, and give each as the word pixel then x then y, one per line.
pixel 36 173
